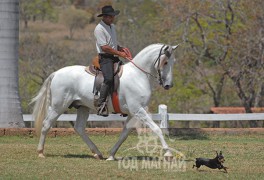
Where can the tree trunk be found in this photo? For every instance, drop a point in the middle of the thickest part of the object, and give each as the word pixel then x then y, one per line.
pixel 10 108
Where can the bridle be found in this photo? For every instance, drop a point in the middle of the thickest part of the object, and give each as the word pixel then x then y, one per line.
pixel 167 53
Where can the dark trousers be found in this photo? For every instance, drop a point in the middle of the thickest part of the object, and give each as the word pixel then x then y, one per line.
pixel 107 67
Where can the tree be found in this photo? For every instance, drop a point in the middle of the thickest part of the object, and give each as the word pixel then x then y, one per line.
pixel 75 19
pixel 226 40
pixel 136 25
pixel 246 65
pixel 31 9
pixel 10 109
pixel 223 41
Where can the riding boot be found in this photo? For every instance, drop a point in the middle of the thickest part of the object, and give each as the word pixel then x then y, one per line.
pixel 102 109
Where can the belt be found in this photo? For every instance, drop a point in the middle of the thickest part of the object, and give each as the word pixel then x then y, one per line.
pixel 107 55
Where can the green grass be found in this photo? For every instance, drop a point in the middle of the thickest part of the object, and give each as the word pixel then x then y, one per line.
pixel 69 158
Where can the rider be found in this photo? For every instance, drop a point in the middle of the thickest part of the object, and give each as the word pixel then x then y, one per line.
pixel 109 51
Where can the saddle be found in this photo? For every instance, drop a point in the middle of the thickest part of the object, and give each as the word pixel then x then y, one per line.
pixel 94 69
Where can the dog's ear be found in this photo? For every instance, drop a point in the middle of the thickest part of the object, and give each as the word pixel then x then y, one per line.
pixel 216 153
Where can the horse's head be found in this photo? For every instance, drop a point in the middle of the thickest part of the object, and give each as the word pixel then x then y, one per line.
pixel 164 65
pixel 157 61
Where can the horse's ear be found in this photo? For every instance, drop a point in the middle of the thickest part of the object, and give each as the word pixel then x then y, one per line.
pixel 174 47
pixel 168 51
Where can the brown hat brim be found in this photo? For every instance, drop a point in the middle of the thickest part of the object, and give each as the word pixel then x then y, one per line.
pixel 110 13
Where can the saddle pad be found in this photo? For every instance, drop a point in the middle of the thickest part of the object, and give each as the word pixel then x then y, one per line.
pixel 92 70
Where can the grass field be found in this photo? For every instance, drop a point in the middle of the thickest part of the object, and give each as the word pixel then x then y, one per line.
pixel 68 158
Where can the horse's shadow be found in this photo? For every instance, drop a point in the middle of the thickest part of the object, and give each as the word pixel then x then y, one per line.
pixel 86 156
pixel 140 158
pixel 81 156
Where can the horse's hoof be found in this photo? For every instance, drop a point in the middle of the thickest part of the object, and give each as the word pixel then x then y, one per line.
pixel 168 156
pixel 41 155
pixel 96 156
pixel 111 158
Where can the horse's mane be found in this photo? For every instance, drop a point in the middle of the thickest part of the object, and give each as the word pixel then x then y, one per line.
pixel 148 48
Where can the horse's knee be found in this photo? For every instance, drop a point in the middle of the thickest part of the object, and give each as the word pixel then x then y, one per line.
pixel 157 130
pixel 49 120
pixel 46 126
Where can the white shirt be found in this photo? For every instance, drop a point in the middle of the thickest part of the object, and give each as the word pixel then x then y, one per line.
pixel 105 35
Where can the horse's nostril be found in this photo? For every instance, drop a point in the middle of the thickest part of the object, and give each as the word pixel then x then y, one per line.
pixel 167 87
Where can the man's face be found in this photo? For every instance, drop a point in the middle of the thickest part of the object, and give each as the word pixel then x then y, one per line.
pixel 108 19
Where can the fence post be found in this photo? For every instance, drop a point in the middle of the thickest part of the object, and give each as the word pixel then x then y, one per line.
pixel 164 125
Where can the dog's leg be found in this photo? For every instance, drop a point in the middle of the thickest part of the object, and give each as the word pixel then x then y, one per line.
pixel 225 168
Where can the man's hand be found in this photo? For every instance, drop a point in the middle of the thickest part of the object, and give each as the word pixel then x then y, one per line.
pixel 122 54
pixel 127 52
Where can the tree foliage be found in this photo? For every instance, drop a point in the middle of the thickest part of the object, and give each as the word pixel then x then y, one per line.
pixel 75 19
pixel 33 9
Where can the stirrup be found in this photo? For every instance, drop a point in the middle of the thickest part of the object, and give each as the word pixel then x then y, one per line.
pixel 103 110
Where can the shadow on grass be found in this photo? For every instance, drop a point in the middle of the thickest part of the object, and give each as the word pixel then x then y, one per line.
pixel 188 134
pixel 141 158
pixel 209 171
pixel 81 156
pixel 85 156
pixel 150 158
pixel 194 136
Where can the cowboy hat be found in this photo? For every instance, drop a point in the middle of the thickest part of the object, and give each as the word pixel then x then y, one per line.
pixel 108 10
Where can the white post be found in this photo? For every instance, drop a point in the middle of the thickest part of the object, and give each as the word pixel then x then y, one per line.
pixel 164 125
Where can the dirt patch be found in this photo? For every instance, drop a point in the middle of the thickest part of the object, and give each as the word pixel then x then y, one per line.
pixel 54 132
pixel 228 131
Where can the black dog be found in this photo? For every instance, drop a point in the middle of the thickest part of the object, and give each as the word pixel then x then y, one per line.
pixel 211 163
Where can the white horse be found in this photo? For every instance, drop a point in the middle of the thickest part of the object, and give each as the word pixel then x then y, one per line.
pixel 73 85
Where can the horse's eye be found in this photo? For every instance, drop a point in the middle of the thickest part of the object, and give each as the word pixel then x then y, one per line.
pixel 166 63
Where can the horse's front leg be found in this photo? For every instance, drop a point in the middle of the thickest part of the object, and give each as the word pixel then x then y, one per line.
pixel 146 119
pixel 82 116
pixel 121 139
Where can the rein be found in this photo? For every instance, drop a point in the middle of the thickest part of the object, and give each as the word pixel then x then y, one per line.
pixel 157 60
pixel 131 60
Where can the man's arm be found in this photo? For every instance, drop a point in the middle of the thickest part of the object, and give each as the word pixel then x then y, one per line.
pixel 109 50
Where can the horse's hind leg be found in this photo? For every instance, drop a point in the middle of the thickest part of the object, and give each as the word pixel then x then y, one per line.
pixel 52 116
pixel 82 116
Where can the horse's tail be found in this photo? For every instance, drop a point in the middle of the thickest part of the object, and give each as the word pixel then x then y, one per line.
pixel 42 102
